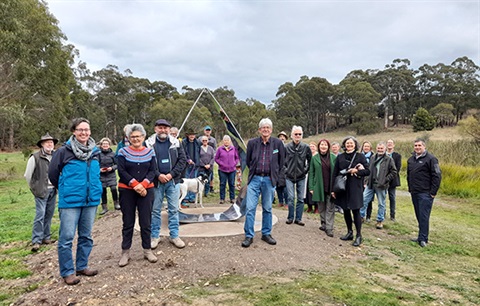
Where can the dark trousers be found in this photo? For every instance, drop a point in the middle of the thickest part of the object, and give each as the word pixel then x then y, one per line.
pixel 357 220
pixel 130 201
pixel 113 190
pixel 391 198
pixel 422 203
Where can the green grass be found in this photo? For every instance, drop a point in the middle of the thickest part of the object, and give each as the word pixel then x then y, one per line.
pixel 393 270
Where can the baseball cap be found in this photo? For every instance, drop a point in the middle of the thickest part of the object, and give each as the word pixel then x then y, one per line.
pixel 207 128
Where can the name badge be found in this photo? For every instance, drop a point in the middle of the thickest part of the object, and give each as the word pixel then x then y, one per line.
pixel 275 151
pixel 165 161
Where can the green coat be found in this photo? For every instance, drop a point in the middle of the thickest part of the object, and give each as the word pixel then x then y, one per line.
pixel 315 181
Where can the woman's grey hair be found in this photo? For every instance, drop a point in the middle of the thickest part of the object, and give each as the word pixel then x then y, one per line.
pixel 226 137
pixel 295 128
pixel 135 128
pixel 264 122
pixel 354 140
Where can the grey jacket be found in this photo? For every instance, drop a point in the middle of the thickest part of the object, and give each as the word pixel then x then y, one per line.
pixel 382 171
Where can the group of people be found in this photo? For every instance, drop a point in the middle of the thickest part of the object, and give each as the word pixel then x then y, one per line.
pixel 150 170
pixel 310 172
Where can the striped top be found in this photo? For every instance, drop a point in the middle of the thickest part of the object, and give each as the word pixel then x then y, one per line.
pixel 136 167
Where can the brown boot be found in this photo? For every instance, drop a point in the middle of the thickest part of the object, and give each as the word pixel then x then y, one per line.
pixel 71 279
pixel 124 259
pixel 148 254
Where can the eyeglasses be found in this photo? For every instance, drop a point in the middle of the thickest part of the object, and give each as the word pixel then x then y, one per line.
pixel 204 140
pixel 298 134
pixel 82 130
pixel 136 136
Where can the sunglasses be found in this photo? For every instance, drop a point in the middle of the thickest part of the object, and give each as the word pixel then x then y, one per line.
pixel 298 134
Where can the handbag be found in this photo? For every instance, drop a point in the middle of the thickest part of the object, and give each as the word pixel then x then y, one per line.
pixel 340 182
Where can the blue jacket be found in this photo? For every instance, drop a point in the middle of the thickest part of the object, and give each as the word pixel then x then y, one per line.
pixel 78 182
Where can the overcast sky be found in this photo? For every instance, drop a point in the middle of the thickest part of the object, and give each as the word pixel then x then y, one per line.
pixel 253 47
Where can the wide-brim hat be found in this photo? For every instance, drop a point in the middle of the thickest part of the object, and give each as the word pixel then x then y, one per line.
pixel 46 137
pixel 282 133
pixel 190 132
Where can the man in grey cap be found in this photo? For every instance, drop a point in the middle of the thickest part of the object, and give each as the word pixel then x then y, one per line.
pixel 207 131
pixel 45 193
pixel 171 162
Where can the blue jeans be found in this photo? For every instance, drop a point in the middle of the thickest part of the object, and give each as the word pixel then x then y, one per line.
pixel 71 219
pixel 44 210
pixel 422 203
pixel 282 195
pixel 295 211
pixel 368 194
pixel 225 178
pixel 259 185
pixel 190 172
pixel 171 191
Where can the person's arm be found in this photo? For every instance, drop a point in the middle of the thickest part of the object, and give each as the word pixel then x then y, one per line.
pixel 392 171
pixel 29 170
pixel 56 166
pixel 181 163
pixel 436 175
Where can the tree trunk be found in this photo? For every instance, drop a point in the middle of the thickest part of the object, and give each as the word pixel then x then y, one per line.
pixel 11 134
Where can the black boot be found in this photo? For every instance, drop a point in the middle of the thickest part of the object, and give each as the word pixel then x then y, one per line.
pixel 358 241
pixel 104 209
pixel 348 236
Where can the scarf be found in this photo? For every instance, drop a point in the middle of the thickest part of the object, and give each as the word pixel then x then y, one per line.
pixel 82 152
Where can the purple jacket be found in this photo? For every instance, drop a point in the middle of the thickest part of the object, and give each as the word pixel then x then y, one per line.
pixel 227 160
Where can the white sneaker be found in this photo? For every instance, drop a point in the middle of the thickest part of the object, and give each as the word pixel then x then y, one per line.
pixel 154 242
pixel 177 242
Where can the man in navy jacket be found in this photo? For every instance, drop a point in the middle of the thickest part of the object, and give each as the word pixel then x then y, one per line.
pixel 423 177
pixel 265 159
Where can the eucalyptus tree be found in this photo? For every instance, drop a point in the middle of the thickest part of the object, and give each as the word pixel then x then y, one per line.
pixel 287 107
pixel 316 96
pixel 35 72
pixel 456 84
pixel 396 84
pixel 361 104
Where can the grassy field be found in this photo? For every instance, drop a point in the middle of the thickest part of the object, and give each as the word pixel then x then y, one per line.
pixel 392 270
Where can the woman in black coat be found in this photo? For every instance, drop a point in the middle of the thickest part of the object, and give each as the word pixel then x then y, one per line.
pixel 351 200
pixel 108 167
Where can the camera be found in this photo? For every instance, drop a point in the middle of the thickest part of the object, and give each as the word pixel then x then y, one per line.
pixel 344 172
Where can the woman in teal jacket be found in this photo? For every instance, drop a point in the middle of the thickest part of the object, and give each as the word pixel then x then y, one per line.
pixel 75 172
pixel 320 182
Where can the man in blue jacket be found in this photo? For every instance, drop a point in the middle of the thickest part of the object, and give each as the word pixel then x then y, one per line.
pixel 423 177
pixel 265 159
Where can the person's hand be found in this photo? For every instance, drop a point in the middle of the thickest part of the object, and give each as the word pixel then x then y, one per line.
pixel 311 191
pixel 109 169
pixel 207 166
pixel 333 195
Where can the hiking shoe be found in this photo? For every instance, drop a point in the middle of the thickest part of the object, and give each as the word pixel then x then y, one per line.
pixel 154 243
pixel 35 247
pixel 177 242
pixel 379 225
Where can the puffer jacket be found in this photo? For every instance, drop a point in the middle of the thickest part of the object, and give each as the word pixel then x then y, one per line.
pixel 297 161
pixel 78 181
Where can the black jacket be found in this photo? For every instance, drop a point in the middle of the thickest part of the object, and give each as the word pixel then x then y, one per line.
pixel 423 174
pixel 397 158
pixel 297 161
pixel 276 161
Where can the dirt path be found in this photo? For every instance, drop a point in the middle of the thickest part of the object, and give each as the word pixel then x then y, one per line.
pixel 202 259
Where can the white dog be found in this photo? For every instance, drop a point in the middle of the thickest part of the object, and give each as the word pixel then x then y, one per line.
pixel 196 185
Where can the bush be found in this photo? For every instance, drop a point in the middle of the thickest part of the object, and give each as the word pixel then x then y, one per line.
pixel 423 121
pixel 471 127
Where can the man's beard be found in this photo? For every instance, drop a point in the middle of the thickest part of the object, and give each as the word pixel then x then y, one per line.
pixel 163 136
